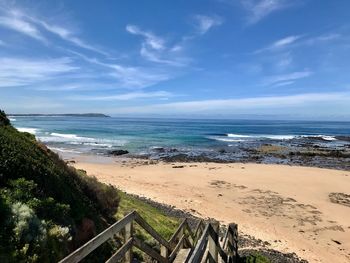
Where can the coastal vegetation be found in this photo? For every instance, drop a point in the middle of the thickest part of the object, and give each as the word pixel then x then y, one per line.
pixel 48 209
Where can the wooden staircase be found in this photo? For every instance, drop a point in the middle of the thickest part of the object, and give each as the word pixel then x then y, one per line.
pixel 201 244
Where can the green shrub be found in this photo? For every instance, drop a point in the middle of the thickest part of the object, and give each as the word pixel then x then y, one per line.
pixel 3 119
pixel 43 201
pixel 255 258
pixel 105 196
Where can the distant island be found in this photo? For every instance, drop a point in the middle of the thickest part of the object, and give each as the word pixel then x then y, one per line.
pixel 65 115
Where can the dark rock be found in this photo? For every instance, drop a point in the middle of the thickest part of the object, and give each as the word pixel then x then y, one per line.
pixel 178 166
pixel 343 138
pixel 336 241
pixel 118 152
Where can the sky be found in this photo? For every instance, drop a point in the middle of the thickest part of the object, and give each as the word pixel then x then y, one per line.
pixel 161 58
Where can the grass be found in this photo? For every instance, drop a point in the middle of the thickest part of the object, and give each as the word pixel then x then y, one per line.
pixel 163 224
pixel 255 258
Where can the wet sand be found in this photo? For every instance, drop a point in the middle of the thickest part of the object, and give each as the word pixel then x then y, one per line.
pixel 290 207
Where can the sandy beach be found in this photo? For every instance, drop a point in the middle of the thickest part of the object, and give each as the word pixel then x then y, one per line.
pixel 295 209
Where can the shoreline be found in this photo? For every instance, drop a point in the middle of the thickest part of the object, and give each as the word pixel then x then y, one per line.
pixel 287 206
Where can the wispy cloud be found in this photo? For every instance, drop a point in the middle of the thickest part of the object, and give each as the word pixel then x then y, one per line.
pixel 25 71
pixel 129 76
pixel 240 104
pixel 322 38
pixel 297 41
pixel 286 79
pixel 34 27
pixel 12 20
pixel 259 9
pixel 154 48
pixel 152 40
pixel 2 43
pixel 68 35
pixel 125 96
pixel 204 23
pixel 284 42
pixel 279 44
pixel 136 77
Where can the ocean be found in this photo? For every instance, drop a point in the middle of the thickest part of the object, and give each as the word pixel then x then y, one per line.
pixel 154 137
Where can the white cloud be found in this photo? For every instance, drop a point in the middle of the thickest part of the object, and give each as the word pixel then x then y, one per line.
pixel 129 76
pixel 67 35
pixel 277 80
pixel 14 22
pixel 137 77
pixel 152 40
pixel 227 106
pixel 285 41
pixel 30 25
pixel 280 44
pixel 154 48
pixel 322 38
pixel 204 23
pixel 19 71
pixel 297 41
pixel 125 96
pixel 259 9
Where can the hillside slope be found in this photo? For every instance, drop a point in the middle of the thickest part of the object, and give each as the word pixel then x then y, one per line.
pixel 46 208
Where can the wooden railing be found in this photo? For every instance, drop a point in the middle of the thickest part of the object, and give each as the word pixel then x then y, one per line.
pixel 202 242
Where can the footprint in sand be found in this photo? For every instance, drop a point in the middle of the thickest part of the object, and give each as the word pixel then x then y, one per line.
pixel 340 198
pixel 270 204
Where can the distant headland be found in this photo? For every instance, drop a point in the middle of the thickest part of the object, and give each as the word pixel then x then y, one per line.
pixel 64 115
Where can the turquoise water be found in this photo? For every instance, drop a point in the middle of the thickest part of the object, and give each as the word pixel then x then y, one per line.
pixel 140 136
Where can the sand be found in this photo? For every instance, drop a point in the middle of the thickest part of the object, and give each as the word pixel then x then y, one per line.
pixel 287 206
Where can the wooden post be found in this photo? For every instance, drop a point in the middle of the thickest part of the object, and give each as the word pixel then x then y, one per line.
pixel 164 252
pixel 232 243
pixel 181 232
pixel 127 236
pixel 213 241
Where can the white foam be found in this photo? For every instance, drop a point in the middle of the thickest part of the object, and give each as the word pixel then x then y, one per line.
pixel 279 137
pixel 29 130
pixel 69 136
pixel 98 144
pixel 226 139
pixel 232 135
pixel 328 138
pixel 12 119
pixel 78 140
pixel 324 137
pixel 63 150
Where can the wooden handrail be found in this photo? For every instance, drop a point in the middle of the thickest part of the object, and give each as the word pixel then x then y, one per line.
pixel 117 256
pixel 150 230
pixel 200 247
pixel 202 243
pixel 94 243
pixel 176 249
pixel 149 251
pixel 177 232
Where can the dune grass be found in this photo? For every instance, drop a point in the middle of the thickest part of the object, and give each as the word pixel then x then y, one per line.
pixel 165 225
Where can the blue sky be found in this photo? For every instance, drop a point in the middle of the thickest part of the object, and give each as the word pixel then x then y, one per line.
pixel 198 58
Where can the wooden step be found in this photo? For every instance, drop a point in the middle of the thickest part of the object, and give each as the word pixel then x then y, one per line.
pixel 182 255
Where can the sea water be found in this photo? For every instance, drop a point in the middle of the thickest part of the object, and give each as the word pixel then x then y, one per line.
pixel 99 135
